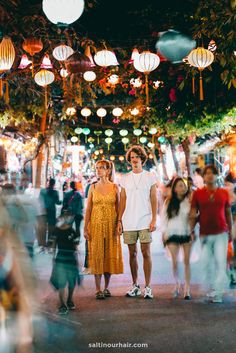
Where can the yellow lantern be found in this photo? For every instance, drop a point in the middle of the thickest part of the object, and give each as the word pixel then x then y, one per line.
pixel 112 158
pixel 89 76
pixel 105 58
pixel 70 111
pixel 200 58
pixel 121 158
pixel 62 52
pixel 7 54
pixel 146 62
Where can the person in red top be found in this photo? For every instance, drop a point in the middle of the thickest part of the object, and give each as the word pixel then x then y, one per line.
pixel 211 205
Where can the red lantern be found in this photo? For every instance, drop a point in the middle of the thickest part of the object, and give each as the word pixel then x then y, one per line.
pixel 77 63
pixel 32 45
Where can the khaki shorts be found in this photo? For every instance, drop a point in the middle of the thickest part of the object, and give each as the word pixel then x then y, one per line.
pixel 131 237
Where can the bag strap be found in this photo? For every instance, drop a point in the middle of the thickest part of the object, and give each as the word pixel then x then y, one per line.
pixel 72 197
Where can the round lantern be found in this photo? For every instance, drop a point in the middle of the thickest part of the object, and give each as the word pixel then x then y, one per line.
pixel 113 79
pixel 125 141
pixel 63 11
pixel 105 58
pixel 32 45
pixel 151 145
pixel 77 63
pixel 121 158
pixel 101 112
pixel 108 140
pixel 89 76
pixel 86 112
pixel 7 54
pixel 90 139
pixel 96 153
pixel 150 156
pixel 112 158
pixel 146 62
pixel 152 131
pixel 123 133
pixel 74 139
pixel 70 111
pixel 101 151
pixel 143 139
pixel 117 112
pixel 78 130
pixel 86 132
pixel 161 139
pixel 136 82
pixel 134 111
pixel 44 77
pixel 174 45
pixel 200 58
pixel 64 73
pixel 137 132
pixel 108 132
pixel 62 52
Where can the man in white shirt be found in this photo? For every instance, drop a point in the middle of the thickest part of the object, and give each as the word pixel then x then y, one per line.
pixel 137 216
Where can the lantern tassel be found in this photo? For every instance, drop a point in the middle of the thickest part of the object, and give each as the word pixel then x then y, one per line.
pixel 45 98
pixel 193 85
pixel 101 120
pixel 64 86
pixel 1 88
pixel 7 99
pixel 201 87
pixel 147 90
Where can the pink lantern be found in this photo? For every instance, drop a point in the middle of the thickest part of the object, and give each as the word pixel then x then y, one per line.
pixel 24 62
pixel 46 63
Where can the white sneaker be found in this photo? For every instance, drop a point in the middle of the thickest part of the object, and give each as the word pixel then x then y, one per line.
pixel 148 293
pixel 211 294
pixel 217 299
pixel 134 292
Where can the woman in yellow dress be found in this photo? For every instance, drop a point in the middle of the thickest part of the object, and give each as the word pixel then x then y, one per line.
pixel 105 254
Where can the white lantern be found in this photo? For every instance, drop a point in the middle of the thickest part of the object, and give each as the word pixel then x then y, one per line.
pixel 86 112
pixel 156 84
pixel 137 132
pixel 112 158
pixel 7 54
pixel 108 132
pixel 123 133
pixel 70 111
pixel 151 145
pixel 89 76
pixel 108 140
pixel 78 130
pixel 146 62
pixel 152 131
pixel 143 139
pixel 62 52
pixel 121 158
pixel 117 112
pixel 63 11
pixel 101 112
pixel 134 111
pixel 44 77
pixel 64 73
pixel 136 82
pixel 105 58
pixel 125 140
pixel 113 79
pixel 74 139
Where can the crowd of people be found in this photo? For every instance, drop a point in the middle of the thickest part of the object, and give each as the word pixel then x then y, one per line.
pixel 187 209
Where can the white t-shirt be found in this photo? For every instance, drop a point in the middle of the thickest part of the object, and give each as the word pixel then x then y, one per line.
pixel 178 225
pixel 138 212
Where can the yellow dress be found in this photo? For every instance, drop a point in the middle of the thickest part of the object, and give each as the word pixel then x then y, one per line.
pixel 105 254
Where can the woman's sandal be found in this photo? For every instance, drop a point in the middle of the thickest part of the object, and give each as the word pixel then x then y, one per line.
pixel 100 295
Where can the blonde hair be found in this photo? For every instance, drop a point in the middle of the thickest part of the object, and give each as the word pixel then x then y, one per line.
pixel 108 166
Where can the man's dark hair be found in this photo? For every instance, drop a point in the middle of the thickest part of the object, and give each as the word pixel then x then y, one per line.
pixel 212 167
pixel 72 185
pixel 198 171
pixel 139 150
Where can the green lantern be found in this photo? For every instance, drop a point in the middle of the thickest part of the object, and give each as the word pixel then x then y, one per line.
pixel 143 139
pixel 86 132
pixel 108 132
pixel 108 140
pixel 123 133
pixel 98 133
pixel 78 130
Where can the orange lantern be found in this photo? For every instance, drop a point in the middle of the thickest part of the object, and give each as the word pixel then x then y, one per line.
pixel 32 45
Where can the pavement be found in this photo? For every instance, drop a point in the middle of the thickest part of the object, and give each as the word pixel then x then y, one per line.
pixel 120 324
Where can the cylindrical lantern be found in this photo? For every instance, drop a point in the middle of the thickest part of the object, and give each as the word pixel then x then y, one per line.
pixel 7 54
pixel 108 140
pixel 101 112
pixel 143 139
pixel 105 58
pixel 63 11
pixel 123 133
pixel 200 58
pixel 89 76
pixel 62 52
pixel 146 62
pixel 108 132
pixel 117 112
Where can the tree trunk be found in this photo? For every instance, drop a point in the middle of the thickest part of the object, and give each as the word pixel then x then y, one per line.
pixel 175 160
pixel 185 145
pixel 162 162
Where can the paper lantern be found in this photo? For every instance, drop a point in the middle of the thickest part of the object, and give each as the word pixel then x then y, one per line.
pixel 136 82
pixel 108 132
pixel 151 145
pixel 64 73
pixel 123 133
pixel 77 63
pixel 117 112
pixel 174 45
pixel 101 112
pixel 86 132
pixel 200 58
pixel 143 139
pixel 101 151
pixel 156 84
pixel 212 46
pixel 112 158
pixel 44 77
pixel 24 62
pixel 86 112
pixel 70 111
pixel 46 62
pixel 78 130
pixel 121 158
pixel 146 62
pixel 137 132
pixel 74 139
pixel 98 133
pixel 152 131
pixel 96 153
pixel 90 139
pixel 62 52
pixel 63 11
pixel 125 141
pixel 105 58
pixel 161 139
pixel 7 54
pixel 89 76
pixel 108 140
pixel 134 111
pixel 134 55
pixel 32 45
pixel 150 156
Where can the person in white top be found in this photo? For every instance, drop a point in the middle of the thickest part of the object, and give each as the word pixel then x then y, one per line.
pixel 137 216
pixel 198 179
pixel 175 228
